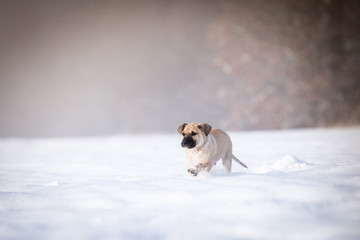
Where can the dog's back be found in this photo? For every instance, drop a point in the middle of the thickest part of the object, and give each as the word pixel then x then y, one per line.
pixel 223 142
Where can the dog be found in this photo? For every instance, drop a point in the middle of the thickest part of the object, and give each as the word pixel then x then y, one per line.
pixel 205 146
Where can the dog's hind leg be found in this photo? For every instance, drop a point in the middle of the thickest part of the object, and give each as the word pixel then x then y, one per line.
pixel 227 164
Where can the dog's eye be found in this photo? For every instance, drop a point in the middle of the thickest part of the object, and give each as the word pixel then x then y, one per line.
pixel 193 133
pixel 183 134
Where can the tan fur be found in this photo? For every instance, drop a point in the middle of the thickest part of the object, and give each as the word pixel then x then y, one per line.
pixel 211 146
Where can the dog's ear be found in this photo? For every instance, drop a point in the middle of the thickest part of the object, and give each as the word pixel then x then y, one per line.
pixel 206 128
pixel 181 127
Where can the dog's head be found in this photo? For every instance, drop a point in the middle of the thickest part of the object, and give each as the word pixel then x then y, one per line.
pixel 194 134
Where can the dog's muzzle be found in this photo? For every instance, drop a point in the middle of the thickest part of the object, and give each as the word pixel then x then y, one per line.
pixel 188 142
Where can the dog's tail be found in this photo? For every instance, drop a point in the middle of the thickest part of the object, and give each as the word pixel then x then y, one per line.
pixel 238 161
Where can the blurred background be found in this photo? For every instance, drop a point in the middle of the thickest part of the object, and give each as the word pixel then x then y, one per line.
pixel 79 68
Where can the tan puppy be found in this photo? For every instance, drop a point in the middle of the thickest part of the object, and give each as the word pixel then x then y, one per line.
pixel 205 146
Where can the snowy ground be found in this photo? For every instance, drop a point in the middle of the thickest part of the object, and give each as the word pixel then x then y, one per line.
pixel 301 184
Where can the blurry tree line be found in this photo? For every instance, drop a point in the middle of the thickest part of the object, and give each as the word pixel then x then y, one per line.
pixel 287 64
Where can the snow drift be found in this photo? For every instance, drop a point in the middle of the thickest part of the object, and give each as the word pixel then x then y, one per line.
pixel 301 184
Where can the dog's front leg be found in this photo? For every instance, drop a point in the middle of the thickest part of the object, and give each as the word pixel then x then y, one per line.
pixel 199 167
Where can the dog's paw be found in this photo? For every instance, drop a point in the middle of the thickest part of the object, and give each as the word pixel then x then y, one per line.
pixel 192 171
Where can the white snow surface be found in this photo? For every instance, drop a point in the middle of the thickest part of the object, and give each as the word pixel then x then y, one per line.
pixel 300 184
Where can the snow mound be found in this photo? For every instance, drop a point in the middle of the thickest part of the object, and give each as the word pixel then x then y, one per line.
pixel 286 164
pixel 52 184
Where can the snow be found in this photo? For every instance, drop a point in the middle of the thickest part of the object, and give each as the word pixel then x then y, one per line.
pixel 286 164
pixel 300 184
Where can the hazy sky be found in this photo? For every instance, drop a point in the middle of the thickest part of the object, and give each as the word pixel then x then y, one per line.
pixel 70 68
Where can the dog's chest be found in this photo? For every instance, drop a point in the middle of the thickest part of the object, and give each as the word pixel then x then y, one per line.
pixel 199 157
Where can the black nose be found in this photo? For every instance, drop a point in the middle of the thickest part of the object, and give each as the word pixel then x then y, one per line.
pixel 188 142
